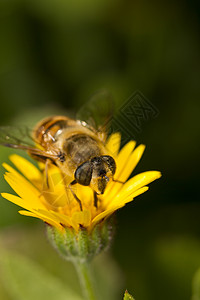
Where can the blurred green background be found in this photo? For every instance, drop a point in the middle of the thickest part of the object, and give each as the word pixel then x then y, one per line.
pixel 53 56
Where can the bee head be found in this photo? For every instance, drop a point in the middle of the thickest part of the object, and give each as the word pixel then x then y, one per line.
pixel 96 173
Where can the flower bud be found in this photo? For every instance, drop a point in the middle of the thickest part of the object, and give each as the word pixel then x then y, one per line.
pixel 83 244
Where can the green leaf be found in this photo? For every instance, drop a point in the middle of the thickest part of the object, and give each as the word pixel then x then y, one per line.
pixel 23 279
pixel 127 296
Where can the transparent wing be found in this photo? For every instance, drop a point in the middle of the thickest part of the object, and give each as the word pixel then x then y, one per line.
pixel 98 111
pixel 21 138
pixel 10 135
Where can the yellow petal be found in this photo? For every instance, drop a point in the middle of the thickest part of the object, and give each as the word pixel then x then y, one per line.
pixel 26 167
pixel 42 217
pixel 113 143
pixel 56 194
pixel 126 162
pixel 105 214
pixel 119 200
pixel 123 157
pixel 65 220
pixel 139 181
pixel 85 194
pixel 130 187
pixel 27 213
pixel 82 217
pixel 130 163
pixel 12 173
pixel 25 189
pixel 48 214
pixel 115 205
pixel 18 201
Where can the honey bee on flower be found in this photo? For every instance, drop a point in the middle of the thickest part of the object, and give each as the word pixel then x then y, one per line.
pixel 84 175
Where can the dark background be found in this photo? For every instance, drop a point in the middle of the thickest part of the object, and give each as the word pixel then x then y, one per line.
pixel 55 54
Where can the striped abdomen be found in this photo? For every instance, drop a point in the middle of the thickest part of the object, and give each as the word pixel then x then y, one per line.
pixel 47 131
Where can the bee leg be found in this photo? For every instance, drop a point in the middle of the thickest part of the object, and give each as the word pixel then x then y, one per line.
pixel 115 180
pixel 95 199
pixel 46 181
pixel 46 172
pixel 77 199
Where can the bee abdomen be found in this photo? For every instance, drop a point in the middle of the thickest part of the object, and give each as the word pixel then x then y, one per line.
pixel 48 129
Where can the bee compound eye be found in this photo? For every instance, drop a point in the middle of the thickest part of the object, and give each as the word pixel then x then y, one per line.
pixel 83 173
pixel 109 160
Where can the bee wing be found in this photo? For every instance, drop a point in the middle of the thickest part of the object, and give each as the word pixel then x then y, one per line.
pixel 97 112
pixel 21 138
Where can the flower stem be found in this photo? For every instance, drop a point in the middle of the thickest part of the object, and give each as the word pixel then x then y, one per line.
pixel 86 279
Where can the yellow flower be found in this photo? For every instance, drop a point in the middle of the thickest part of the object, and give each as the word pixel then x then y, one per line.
pixel 56 205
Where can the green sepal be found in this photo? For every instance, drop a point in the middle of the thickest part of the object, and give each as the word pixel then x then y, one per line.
pixel 84 244
pixel 127 296
pixel 64 242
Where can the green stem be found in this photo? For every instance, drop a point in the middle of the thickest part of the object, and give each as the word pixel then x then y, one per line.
pixel 86 279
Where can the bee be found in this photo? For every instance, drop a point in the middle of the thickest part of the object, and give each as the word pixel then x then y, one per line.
pixel 75 147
